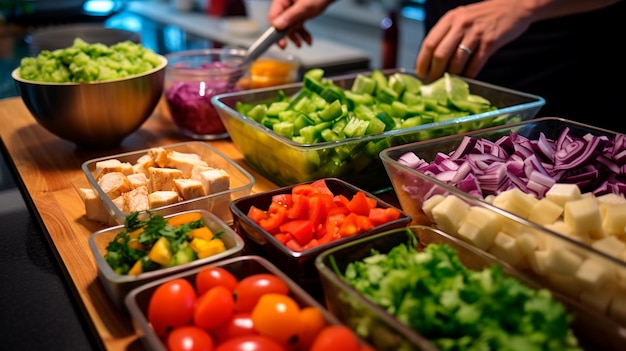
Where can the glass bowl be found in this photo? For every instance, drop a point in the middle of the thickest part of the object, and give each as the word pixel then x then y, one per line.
pixel 192 78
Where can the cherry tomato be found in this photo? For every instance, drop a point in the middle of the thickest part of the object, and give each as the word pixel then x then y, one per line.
pixel 189 338
pixel 214 308
pixel 213 276
pixel 239 324
pixel 251 343
pixel 171 305
pixel 278 317
pixel 252 287
pixel 332 335
pixel 311 322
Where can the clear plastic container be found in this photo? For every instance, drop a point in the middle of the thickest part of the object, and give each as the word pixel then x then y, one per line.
pixel 387 333
pixel 286 162
pixel 241 182
pixel 550 250
pixel 118 285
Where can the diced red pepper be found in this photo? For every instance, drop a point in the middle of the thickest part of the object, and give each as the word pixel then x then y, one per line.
pixel 349 225
pixel 333 223
pixel 380 215
pixel 276 216
pixel 283 199
pixel 299 208
pixel 322 187
pixel 283 237
pixel 318 211
pixel 304 189
pixel 294 246
pixel 256 214
pixel 359 204
pixel 300 229
pixel 364 223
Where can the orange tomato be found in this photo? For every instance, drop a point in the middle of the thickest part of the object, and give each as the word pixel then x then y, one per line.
pixel 312 321
pixel 277 316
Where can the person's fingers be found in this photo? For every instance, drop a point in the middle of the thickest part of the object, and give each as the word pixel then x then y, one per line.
pixel 426 56
pixel 462 55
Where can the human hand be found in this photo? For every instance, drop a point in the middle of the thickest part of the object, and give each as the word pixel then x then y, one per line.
pixel 463 39
pixel 291 15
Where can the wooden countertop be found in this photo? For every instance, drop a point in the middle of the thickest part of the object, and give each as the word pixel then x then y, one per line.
pixel 47 166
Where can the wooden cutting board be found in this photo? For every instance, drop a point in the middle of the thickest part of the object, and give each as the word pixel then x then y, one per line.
pixel 47 169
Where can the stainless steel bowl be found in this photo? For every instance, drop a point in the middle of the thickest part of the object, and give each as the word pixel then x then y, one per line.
pixel 96 115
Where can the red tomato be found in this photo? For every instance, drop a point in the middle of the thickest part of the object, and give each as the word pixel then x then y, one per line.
pixel 250 343
pixel 251 288
pixel 214 308
pixel 210 277
pixel 238 325
pixel 332 335
pixel 189 338
pixel 171 306
pixel 278 317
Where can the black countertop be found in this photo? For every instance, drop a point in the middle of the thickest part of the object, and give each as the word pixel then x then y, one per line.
pixel 38 309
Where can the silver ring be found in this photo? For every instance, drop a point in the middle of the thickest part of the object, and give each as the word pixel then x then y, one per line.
pixel 466 49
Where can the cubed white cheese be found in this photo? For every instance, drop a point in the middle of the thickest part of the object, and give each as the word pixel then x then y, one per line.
pixel 583 216
pixel 505 247
pixel 593 274
pixel 428 204
pixel 479 227
pixel 515 201
pixel 545 211
pixel 610 245
pixel 613 218
pixel 562 260
pixel 561 193
pixel 449 212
